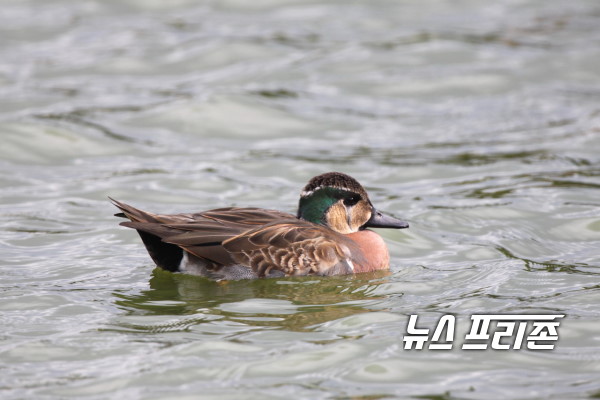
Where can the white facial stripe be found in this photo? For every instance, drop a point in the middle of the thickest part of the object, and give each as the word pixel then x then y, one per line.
pixel 307 193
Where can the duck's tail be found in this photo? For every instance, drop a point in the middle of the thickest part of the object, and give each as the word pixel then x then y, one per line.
pixel 166 255
pixel 132 213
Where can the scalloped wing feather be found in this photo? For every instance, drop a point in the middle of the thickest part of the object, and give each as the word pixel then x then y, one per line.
pixel 293 247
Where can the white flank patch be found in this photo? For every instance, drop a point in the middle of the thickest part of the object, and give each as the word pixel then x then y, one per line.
pixel 184 262
pixel 350 264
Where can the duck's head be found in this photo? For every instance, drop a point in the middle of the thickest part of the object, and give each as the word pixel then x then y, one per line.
pixel 338 201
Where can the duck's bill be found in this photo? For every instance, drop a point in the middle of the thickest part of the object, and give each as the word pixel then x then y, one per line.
pixel 379 220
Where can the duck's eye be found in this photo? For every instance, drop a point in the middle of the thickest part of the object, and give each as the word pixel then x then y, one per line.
pixel 352 200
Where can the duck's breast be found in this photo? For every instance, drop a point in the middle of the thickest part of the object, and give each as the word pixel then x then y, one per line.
pixel 374 251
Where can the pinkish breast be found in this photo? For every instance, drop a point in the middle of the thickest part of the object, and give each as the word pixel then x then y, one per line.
pixel 374 250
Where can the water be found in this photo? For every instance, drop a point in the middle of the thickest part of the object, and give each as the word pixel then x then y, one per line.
pixel 479 123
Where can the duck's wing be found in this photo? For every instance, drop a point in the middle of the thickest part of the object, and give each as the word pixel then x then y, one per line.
pixel 294 247
pixel 203 234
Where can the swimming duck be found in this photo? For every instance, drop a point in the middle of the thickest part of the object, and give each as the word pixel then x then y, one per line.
pixel 328 236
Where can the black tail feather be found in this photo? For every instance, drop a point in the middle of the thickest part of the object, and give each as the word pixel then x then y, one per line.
pixel 165 255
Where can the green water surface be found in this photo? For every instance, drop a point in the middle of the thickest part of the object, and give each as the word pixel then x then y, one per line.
pixel 477 122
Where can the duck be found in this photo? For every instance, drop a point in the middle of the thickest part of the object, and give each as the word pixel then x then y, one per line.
pixel 328 236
